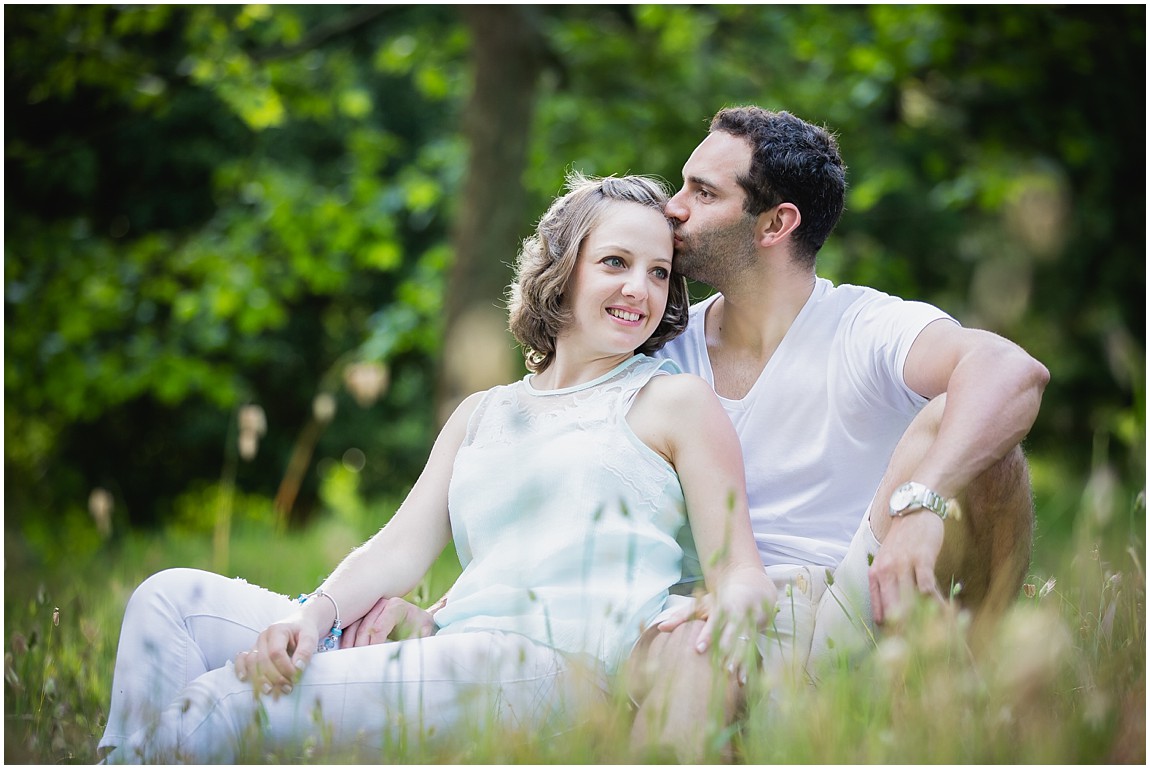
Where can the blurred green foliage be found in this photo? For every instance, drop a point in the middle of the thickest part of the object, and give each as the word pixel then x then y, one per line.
pixel 211 206
pixel 202 219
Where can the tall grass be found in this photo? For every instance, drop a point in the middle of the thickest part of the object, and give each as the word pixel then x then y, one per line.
pixel 1060 680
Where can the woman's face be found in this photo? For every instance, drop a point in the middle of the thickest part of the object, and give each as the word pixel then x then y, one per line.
pixel 618 291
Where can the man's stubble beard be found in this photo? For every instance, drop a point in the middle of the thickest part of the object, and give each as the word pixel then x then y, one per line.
pixel 720 256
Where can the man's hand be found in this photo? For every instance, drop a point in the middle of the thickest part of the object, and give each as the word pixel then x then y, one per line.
pixel 391 619
pixel 905 564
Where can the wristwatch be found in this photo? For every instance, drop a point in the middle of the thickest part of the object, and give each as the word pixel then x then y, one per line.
pixel 912 496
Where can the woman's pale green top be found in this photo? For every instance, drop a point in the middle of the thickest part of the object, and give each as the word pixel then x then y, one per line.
pixel 564 521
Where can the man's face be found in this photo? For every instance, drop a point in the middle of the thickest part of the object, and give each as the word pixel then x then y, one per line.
pixel 714 236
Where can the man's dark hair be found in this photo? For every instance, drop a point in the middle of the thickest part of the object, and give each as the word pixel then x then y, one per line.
pixel 792 161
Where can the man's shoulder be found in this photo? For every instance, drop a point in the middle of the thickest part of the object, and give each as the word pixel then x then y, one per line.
pixel 679 386
pixel 699 309
pixel 848 299
pixel 850 293
pixel 865 324
pixel 689 348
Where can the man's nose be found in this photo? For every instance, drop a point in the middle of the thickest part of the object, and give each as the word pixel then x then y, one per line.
pixel 675 209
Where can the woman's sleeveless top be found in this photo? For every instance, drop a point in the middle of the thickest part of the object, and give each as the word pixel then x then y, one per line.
pixel 564 521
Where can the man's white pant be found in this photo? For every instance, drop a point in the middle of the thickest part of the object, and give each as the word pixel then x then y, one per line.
pixel 824 616
pixel 843 624
pixel 176 698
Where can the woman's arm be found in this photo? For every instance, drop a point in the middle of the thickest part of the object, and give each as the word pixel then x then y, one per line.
pixel 391 563
pixel 682 418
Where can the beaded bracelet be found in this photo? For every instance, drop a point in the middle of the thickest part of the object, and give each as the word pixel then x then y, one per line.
pixel 331 640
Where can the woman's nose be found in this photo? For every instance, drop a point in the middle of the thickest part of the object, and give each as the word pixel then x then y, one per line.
pixel 635 287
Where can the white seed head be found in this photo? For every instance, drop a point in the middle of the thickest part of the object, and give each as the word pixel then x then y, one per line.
pixel 323 408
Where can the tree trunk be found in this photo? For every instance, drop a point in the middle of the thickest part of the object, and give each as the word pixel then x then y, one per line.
pixel 492 219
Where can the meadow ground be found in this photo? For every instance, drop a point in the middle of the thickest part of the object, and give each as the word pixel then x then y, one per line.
pixel 1060 680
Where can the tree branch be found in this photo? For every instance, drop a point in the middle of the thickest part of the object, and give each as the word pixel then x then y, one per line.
pixel 321 34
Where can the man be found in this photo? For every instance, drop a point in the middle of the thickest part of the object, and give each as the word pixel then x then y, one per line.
pixel 841 397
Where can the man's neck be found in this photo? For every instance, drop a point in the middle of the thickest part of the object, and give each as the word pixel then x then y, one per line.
pixel 747 324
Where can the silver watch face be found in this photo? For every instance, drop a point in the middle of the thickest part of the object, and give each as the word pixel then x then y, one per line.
pixel 903 497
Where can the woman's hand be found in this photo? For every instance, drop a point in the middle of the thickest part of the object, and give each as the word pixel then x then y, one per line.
pixel 285 648
pixel 391 619
pixel 280 654
pixel 735 615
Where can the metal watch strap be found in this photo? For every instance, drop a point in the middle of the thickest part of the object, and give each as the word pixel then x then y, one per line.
pixel 920 498
pixel 934 502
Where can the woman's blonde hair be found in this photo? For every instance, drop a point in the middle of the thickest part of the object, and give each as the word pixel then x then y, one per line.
pixel 547 259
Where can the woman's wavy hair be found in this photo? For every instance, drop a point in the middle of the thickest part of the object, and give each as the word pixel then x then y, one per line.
pixel 547 259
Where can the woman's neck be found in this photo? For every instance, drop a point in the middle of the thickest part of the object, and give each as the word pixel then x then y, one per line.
pixel 570 371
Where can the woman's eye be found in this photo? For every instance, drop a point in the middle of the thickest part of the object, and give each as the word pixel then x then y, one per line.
pixel 614 261
pixel 661 273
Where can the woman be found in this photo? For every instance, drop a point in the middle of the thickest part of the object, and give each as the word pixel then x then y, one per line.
pixel 564 493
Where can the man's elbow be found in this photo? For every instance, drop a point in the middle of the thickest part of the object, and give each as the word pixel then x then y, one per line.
pixel 1031 378
pixel 1019 373
pixel 1035 375
pixel 1027 372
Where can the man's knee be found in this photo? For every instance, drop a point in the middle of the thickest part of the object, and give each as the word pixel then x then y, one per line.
pixel 923 429
pixel 988 550
pixel 684 698
pixel 659 656
pixel 998 507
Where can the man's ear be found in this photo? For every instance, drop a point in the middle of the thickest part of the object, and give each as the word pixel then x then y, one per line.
pixel 776 224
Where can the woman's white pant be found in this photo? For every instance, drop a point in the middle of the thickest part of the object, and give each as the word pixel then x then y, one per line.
pixel 176 698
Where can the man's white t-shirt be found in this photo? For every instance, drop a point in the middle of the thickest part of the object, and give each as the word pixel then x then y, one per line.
pixel 820 424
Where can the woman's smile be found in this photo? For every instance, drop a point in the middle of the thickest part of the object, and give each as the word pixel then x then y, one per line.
pixel 628 316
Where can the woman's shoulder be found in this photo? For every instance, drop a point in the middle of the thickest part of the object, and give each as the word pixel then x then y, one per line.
pixel 461 416
pixel 675 388
pixel 468 405
pixel 671 409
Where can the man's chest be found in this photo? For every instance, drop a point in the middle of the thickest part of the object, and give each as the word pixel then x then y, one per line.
pixel 736 373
